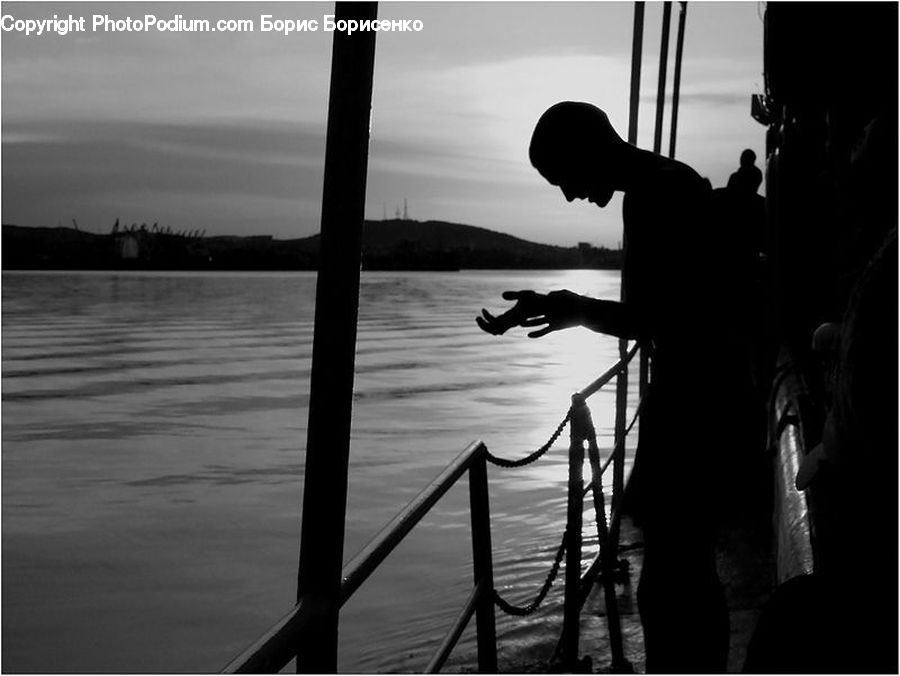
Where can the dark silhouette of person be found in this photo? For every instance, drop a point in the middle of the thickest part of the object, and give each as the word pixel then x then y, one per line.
pixel 740 213
pixel 674 298
pixel 748 177
pixel 746 208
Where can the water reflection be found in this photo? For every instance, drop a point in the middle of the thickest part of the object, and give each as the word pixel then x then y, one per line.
pixel 153 427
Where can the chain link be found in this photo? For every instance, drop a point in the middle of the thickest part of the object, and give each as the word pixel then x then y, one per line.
pixel 501 603
pixel 510 609
pixel 503 462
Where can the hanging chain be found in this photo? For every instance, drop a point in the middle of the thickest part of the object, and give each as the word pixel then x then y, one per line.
pixel 510 609
pixel 504 605
pixel 503 462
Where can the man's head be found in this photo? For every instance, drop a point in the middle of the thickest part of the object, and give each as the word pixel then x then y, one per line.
pixel 575 147
pixel 748 158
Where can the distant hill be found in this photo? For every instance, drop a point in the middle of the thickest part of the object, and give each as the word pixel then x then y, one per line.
pixel 406 244
pixel 387 245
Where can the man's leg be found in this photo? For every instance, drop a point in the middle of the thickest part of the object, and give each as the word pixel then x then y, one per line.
pixel 682 603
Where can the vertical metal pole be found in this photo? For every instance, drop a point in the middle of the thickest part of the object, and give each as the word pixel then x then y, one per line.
pixel 479 506
pixel 334 342
pixel 618 465
pixel 676 83
pixel 663 66
pixel 572 606
pixel 644 371
pixel 637 43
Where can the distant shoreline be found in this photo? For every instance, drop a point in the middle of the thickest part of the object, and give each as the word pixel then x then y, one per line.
pixel 212 271
pixel 430 246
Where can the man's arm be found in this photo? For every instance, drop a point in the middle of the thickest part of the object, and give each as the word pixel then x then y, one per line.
pixel 560 310
pixel 610 317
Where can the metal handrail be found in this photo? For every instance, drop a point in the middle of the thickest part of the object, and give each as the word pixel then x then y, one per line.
pixel 280 644
pixel 368 559
pixel 610 373
pixel 449 642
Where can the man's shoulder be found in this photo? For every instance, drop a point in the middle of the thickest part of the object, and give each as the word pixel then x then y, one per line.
pixel 671 180
pixel 680 174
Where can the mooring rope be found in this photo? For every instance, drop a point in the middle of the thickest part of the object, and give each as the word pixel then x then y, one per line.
pixel 619 447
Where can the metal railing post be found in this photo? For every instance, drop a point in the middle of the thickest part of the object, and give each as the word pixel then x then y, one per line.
pixel 643 370
pixel 637 45
pixel 676 84
pixel 334 341
pixel 618 479
pixel 661 84
pixel 572 605
pixel 479 506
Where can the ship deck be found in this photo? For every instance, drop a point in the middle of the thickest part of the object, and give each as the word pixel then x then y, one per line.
pixel 746 568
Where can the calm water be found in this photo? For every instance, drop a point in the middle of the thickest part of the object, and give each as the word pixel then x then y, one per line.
pixel 152 462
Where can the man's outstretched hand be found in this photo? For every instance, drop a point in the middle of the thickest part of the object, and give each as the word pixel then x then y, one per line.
pixel 554 311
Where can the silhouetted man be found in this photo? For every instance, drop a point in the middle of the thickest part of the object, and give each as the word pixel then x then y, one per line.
pixel 675 298
pixel 748 177
pixel 745 208
pixel 739 212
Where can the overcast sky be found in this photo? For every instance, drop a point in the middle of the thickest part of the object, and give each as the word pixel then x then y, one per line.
pixel 225 131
